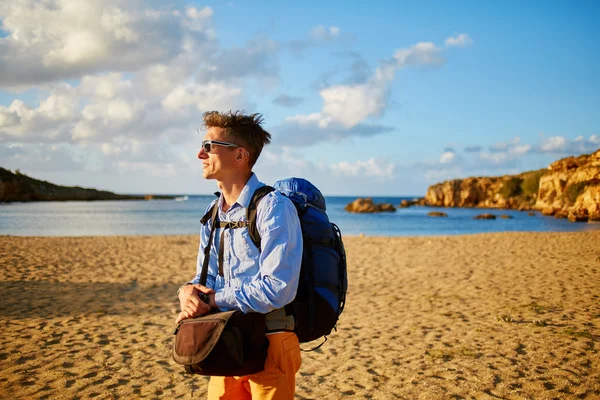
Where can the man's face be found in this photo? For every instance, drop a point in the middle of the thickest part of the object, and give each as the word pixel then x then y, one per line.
pixel 220 162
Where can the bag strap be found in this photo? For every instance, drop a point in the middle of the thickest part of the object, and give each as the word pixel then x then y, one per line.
pixel 223 226
pixel 214 217
pixel 250 223
pixel 208 214
pixel 252 211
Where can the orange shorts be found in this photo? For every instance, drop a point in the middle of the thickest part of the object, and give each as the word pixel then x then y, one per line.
pixel 276 382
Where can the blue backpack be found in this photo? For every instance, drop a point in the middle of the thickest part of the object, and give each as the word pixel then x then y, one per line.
pixel 323 280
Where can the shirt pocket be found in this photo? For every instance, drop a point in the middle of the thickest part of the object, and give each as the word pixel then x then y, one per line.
pixel 247 256
pixel 219 283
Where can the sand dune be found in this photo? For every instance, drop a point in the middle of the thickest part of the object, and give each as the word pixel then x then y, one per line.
pixel 509 316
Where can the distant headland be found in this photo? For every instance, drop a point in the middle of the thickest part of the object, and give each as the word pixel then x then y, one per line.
pixel 18 187
pixel 568 188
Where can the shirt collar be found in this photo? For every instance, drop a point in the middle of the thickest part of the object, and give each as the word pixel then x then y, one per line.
pixel 248 190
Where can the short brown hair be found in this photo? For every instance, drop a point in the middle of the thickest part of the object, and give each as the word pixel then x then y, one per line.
pixel 241 129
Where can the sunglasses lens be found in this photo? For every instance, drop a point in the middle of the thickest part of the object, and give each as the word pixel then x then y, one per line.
pixel 206 146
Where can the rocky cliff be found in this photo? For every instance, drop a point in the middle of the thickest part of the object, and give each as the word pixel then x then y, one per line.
pixel 567 188
pixel 20 187
pixel 571 188
pixel 509 191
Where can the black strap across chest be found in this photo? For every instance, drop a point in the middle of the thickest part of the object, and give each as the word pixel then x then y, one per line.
pixel 250 223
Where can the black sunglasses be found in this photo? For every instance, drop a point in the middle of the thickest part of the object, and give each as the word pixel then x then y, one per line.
pixel 207 144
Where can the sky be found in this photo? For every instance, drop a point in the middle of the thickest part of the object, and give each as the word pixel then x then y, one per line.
pixel 361 98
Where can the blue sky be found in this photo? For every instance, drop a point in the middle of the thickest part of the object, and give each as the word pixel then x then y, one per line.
pixel 361 99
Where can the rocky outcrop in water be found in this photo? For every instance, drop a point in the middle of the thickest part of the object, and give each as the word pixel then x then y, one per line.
pixel 485 216
pixel 437 214
pixel 366 205
pixel 15 186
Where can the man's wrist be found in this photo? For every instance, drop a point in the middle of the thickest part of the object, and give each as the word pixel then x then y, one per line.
pixel 213 301
pixel 182 286
pixel 208 298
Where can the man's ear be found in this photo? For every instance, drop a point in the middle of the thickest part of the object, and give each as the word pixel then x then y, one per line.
pixel 241 153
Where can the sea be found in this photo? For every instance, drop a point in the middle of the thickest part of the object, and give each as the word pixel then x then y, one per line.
pixel 182 217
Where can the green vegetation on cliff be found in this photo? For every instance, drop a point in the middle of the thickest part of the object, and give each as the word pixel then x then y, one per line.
pixel 573 191
pixel 511 188
pixel 523 187
pixel 531 182
pixel 15 186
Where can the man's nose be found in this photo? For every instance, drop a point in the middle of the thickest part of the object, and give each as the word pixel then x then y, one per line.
pixel 202 154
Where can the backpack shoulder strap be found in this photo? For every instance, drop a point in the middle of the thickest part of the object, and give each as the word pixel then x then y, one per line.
pixel 208 214
pixel 251 213
pixel 214 210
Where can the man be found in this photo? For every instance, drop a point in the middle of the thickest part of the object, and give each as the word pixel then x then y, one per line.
pixel 252 280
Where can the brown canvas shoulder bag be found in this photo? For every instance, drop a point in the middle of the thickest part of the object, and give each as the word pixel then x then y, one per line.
pixel 228 343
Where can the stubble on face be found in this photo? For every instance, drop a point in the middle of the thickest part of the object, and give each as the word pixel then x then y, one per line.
pixel 213 165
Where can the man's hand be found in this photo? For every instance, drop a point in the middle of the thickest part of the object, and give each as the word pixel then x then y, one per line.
pixel 190 303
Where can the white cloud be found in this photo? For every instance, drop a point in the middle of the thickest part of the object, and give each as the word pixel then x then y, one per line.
pixel 105 86
pixel 114 104
pixel 347 106
pixel 116 110
pixel 130 154
pixel 59 39
pixel 460 40
pixel 308 130
pixel 310 120
pixel 594 139
pixel 494 158
pixel 507 150
pixel 50 121
pixel 318 35
pixel 322 33
pixel 158 79
pixel 350 105
pixel 424 53
pixel 509 157
pixel 199 16
pixel 140 78
pixel 278 162
pixel 373 167
pixel 565 146
pixel 212 95
pixel 447 157
pixel 256 58
pixel 151 86
pixel 504 154
pixel 152 169
pixel 40 157
pixel 521 149
pixel 554 143
pixel 284 159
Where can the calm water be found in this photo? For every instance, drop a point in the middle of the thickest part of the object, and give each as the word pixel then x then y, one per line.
pixel 169 217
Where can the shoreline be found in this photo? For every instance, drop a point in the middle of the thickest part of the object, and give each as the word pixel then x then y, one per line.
pixel 344 236
pixel 512 314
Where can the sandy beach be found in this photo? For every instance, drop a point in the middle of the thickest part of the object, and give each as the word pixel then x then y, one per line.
pixel 487 316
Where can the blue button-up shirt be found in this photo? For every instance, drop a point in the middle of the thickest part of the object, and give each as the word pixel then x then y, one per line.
pixel 254 280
